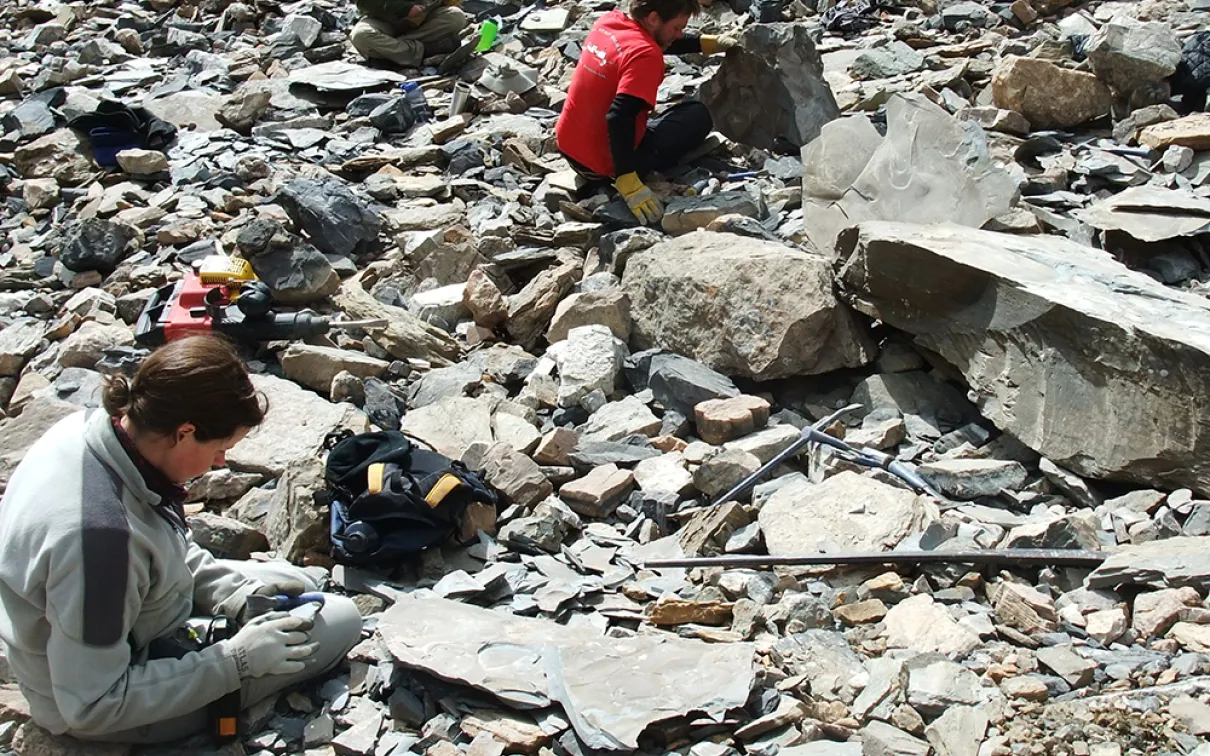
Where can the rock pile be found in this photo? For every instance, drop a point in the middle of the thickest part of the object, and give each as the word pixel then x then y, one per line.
pixel 981 224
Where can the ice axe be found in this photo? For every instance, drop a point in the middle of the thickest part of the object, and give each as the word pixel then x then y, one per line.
pixel 867 457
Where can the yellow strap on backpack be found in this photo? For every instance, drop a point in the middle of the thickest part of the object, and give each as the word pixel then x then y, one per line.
pixel 374 475
pixel 443 488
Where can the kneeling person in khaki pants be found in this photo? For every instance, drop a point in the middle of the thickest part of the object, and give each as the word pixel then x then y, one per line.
pixel 405 32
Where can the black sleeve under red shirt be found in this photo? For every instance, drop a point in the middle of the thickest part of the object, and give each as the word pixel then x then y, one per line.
pixel 626 108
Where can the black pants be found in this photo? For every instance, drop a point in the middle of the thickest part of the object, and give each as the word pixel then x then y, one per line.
pixel 670 136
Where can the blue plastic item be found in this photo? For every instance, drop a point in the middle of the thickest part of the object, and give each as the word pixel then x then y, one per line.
pixel 417 101
pixel 107 143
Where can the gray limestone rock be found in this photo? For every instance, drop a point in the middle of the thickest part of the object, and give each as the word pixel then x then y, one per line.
pixel 19 341
pixel 295 272
pixel 972 478
pixel 1064 347
pixel 334 219
pixel 930 168
pixel 1169 563
pixel 882 739
pixel 1128 54
pixel 847 512
pixel 226 538
pixel 685 214
pixel 743 307
pixel 935 687
pixel 294 428
pixel 892 60
pixel 771 87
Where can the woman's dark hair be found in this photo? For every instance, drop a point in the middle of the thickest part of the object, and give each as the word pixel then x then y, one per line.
pixel 197 379
pixel 667 9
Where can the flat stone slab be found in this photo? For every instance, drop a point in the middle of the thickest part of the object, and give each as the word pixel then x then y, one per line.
pixel 610 688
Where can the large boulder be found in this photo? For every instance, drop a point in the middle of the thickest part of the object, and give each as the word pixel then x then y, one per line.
pixel 771 86
pixel 1128 54
pixel 1100 369
pixel 930 168
pixel 1049 96
pixel 294 427
pixel 743 307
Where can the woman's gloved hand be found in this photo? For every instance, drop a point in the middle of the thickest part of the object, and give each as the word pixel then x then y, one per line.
pixel 645 205
pixel 271 644
pixel 283 587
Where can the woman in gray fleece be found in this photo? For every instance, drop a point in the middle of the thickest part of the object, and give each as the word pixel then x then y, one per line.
pixel 99 572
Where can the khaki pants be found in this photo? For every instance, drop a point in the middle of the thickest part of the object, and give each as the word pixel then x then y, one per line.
pixel 376 39
pixel 337 629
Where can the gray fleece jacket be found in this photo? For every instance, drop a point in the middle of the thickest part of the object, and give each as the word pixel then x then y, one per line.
pixel 90 574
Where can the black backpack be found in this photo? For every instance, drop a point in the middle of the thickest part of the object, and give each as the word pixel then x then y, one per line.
pixel 390 500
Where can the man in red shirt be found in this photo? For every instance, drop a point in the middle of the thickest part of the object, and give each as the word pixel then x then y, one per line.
pixel 603 130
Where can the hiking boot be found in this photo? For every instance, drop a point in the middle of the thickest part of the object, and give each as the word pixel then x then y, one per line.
pixel 458 58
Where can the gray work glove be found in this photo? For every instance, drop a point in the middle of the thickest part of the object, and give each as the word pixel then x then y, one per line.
pixel 284 586
pixel 271 644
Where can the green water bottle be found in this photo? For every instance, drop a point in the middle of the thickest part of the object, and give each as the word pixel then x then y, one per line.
pixel 487 34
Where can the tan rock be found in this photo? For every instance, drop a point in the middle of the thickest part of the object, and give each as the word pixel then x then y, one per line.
pixel 598 492
pixel 1193 637
pixel 518 732
pixel 444 131
pixel 706 532
pixel 1025 688
pixel 721 420
pixel 555 447
pixel 1048 95
pixel 1024 608
pixel 861 613
pixel 608 307
pixel 316 366
pixel 1191 131
pixel 677 611
pixel 1024 12
pixel 1106 626
pixel 531 309
pixel 1156 612
pixel 61 155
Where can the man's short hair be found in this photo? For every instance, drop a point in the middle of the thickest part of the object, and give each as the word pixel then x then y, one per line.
pixel 667 9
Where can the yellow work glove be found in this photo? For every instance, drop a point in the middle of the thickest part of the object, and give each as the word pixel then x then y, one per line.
pixel 712 44
pixel 645 205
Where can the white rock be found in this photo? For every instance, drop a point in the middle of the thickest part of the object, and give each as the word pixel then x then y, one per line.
pixel 923 626
pixel 142 162
pixel 620 419
pixel 847 512
pixel 667 473
pixel 590 360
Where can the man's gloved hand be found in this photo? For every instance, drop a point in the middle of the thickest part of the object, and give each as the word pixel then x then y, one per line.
pixel 271 644
pixel 645 205
pixel 285 587
pixel 720 44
